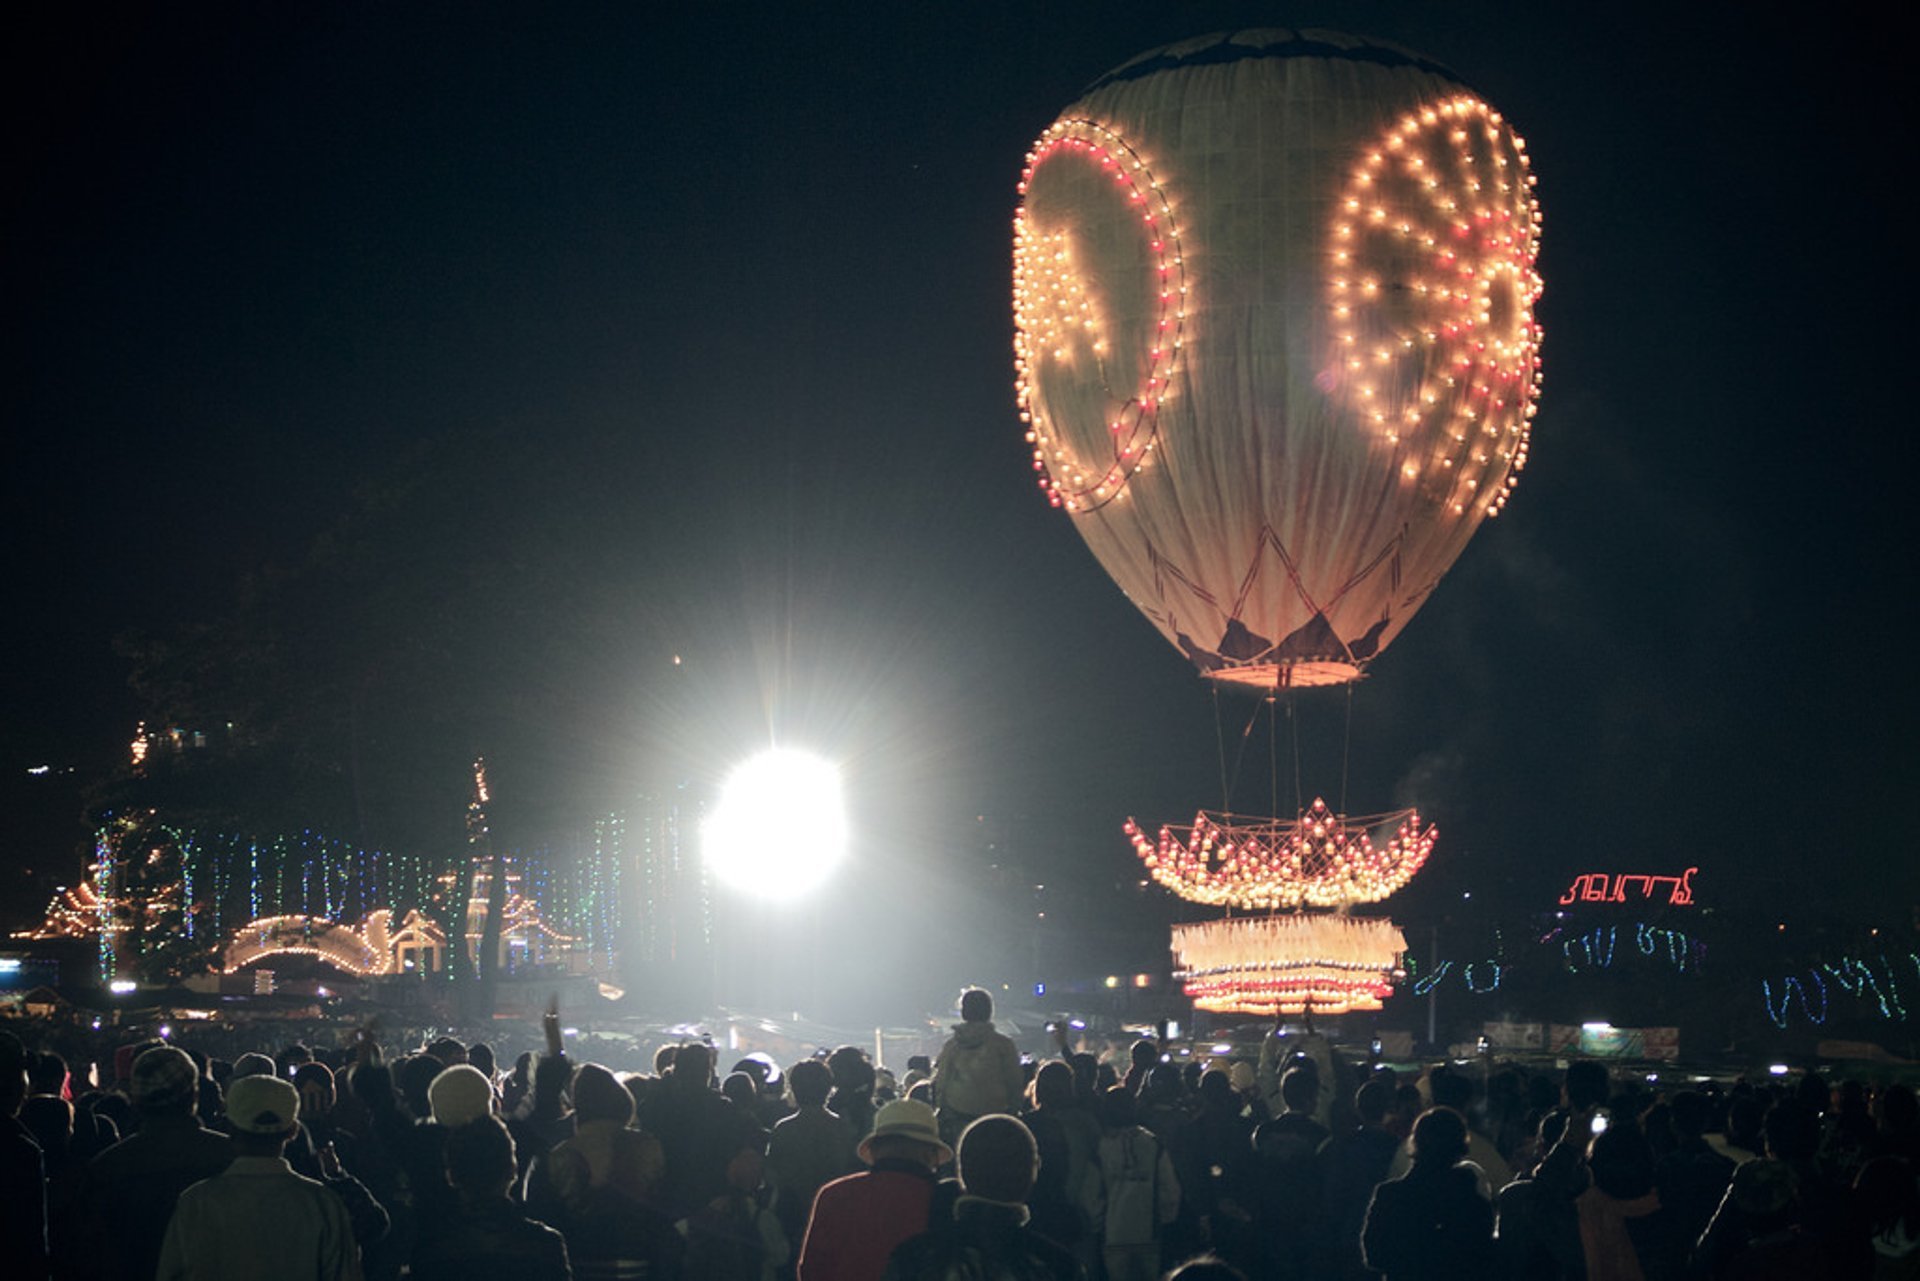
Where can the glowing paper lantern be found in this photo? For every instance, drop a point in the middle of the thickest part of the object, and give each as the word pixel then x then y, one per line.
pixel 1288 964
pixel 1275 344
pixel 1319 859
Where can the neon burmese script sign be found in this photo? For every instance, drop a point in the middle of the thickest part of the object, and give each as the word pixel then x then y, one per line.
pixel 1598 887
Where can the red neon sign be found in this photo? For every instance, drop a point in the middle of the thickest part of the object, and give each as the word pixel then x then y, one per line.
pixel 1598 887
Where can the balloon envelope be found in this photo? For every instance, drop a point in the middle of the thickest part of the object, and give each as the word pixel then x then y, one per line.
pixel 1275 344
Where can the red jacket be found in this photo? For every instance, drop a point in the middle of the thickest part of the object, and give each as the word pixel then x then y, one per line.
pixel 858 1220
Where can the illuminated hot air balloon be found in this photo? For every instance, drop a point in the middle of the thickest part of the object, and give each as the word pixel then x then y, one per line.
pixel 1276 350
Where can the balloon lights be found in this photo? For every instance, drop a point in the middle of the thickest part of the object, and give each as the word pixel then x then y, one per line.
pixel 1318 859
pixel 1288 964
pixel 1063 321
pixel 1431 281
pixel 1275 349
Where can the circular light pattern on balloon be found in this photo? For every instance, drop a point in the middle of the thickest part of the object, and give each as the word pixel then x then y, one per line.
pixel 1432 285
pixel 1064 327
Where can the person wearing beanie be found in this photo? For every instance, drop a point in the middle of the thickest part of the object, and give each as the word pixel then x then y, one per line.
pixel 998 1161
pixel 131 1188
pixel 978 1071
pixel 859 1219
pixel 258 1218
pixel 459 1095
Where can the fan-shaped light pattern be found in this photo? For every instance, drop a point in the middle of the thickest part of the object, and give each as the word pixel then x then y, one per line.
pixel 1319 859
pixel 1288 964
pixel 1275 348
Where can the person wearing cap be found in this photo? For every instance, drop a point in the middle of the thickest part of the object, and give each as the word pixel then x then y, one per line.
pixel 130 1189
pixel 857 1220
pixel 258 1219
pixel 988 1234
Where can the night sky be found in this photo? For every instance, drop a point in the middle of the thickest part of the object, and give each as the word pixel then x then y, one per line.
pixel 583 342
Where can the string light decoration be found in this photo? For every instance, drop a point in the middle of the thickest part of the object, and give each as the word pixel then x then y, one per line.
pixel 1063 321
pixel 1432 286
pixel 1316 859
pixel 1288 964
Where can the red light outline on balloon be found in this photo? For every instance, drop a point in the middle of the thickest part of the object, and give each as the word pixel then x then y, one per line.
pixel 1136 429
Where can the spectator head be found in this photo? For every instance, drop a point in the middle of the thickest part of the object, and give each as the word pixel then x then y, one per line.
pixel 1743 1122
pixel 49 1119
pixel 998 1160
pixel 693 1065
pixel 1372 1101
pixel 1053 1085
pixel 459 1095
pixel 264 1112
pixel 315 1083
pixel 976 1006
pixel 1621 1161
pixel 290 1058
pixel 1792 1131
pixel 480 1054
pixel 1163 1084
pixel 742 1089
pixel 414 1074
pixel 1439 1137
pixel 851 1068
pixel 1690 1114
pixel 597 1096
pixel 1144 1055
pixel 253 1064
pixel 47 1074
pixel 1450 1089
pixel 1813 1091
pixel 164 1083
pixel 922 1092
pixel 1585 1087
pixel 1767 1191
pixel 905 1130
pixel 480 1160
pixel 448 1051
pixel 920 1063
pixel 1300 1091
pixel 809 1082
pixel 663 1059
pixel 1240 1075
pixel 1216 1090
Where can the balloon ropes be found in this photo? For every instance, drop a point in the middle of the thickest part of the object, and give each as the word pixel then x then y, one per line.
pixel 1276 360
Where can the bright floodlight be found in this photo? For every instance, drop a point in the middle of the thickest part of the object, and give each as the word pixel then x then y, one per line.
pixel 779 828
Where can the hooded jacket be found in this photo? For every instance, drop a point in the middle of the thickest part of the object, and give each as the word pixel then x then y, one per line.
pixel 978 1072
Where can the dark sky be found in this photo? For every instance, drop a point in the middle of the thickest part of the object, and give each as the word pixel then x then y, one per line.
pixel 688 334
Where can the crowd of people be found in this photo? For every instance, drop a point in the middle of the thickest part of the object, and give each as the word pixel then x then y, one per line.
pixel 442 1162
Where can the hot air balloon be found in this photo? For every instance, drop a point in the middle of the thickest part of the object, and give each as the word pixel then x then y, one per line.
pixel 1276 352
pixel 1277 358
